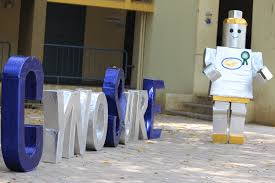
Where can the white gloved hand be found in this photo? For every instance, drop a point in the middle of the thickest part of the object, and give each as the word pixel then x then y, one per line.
pixel 266 74
pixel 212 73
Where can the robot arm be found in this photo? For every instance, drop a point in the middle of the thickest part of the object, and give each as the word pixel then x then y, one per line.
pixel 266 74
pixel 209 67
pixel 259 70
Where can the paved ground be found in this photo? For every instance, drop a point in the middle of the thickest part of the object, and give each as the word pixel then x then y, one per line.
pixel 183 154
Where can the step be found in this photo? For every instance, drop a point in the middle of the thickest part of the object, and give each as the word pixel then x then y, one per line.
pixel 198 108
pixel 205 117
pixel 207 100
pixel 33 104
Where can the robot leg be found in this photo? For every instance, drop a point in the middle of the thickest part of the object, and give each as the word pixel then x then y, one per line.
pixel 220 122
pixel 237 123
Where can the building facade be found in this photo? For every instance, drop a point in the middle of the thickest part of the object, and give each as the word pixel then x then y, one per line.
pixel 157 39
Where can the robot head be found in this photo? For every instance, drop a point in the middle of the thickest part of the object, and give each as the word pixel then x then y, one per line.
pixel 234 30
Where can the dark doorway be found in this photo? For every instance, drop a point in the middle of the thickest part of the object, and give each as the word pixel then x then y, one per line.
pixel 244 5
pixel 65 25
pixel 129 44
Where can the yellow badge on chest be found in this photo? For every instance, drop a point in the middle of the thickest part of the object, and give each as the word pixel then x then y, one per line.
pixel 232 63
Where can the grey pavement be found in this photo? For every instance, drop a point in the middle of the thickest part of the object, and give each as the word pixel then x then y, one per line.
pixel 183 154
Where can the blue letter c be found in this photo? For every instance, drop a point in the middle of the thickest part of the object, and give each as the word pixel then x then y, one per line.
pixel 22 144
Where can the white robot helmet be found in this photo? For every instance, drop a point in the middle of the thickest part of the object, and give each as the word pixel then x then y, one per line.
pixel 234 30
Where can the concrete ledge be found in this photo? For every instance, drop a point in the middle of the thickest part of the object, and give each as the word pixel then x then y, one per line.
pixel 175 101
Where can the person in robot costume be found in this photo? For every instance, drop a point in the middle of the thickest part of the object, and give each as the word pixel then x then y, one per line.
pixel 231 68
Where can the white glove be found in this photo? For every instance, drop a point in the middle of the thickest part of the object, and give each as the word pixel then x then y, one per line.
pixel 212 73
pixel 266 74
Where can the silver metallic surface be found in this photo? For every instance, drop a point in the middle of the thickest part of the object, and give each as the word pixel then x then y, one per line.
pixel 138 105
pixel 52 151
pixel 82 123
pixel 53 126
pixel 234 35
pixel 235 14
pixel 60 119
pixel 134 127
pixel 126 127
pixel 142 107
pixel 133 108
pixel 98 121
pixel 71 116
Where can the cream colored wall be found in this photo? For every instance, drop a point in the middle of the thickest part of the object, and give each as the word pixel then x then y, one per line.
pixel 138 51
pixel 206 37
pixel 170 46
pixel 101 33
pixel 263 39
pixel 9 21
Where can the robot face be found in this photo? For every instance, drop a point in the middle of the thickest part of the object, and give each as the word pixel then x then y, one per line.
pixel 234 35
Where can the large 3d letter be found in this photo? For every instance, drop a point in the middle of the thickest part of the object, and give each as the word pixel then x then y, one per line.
pixel 60 116
pixel 82 122
pixel 66 121
pixel 98 121
pixel 142 104
pixel 126 125
pixel 70 118
pixel 113 88
pixel 151 86
pixel 22 145
pixel 134 126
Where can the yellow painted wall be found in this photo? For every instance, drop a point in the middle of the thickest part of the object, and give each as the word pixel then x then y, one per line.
pixel 263 39
pixel 170 44
pixel 25 29
pixel 32 28
pixel 100 32
pixel 38 30
pixel 9 21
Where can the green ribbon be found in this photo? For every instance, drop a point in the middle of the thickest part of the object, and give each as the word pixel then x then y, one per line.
pixel 245 56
